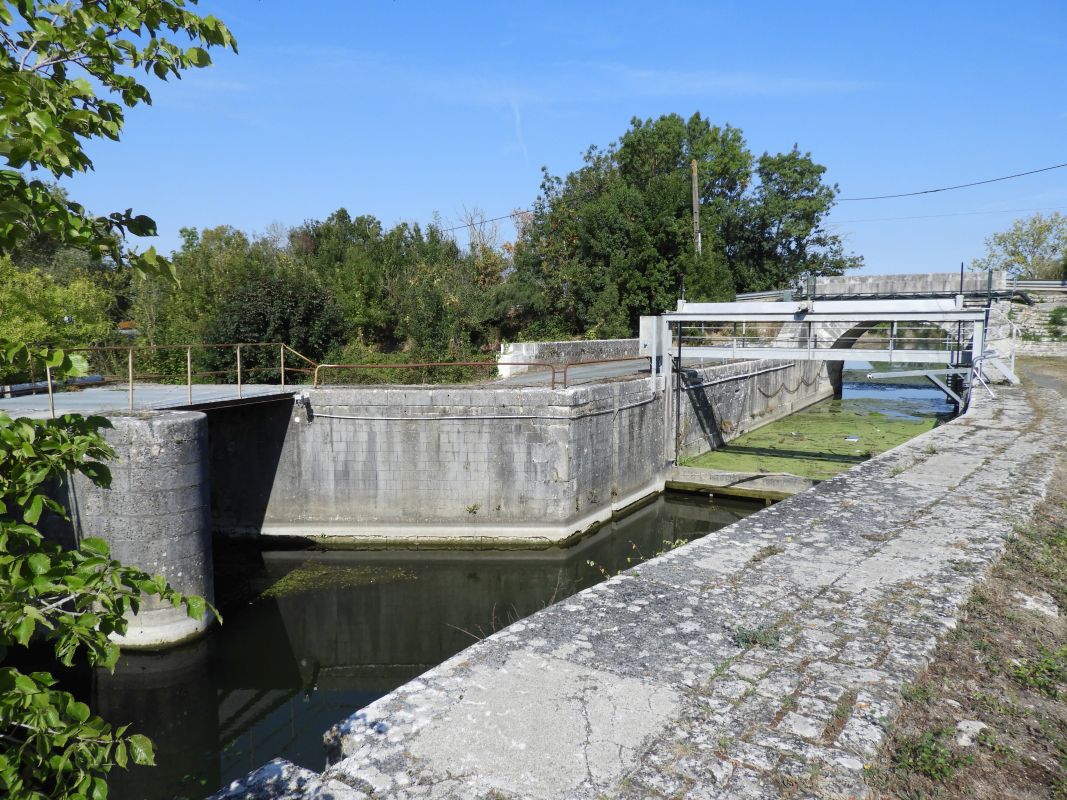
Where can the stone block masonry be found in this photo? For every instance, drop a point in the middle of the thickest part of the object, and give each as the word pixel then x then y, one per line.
pixel 766 658
pixel 561 353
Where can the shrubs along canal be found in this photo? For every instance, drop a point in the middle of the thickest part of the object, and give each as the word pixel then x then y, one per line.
pixel 310 636
pixel 833 435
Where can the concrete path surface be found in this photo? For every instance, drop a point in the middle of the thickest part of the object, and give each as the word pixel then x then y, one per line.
pixel 762 661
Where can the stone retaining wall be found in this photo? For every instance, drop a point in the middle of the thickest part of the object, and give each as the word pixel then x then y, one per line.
pixel 1041 349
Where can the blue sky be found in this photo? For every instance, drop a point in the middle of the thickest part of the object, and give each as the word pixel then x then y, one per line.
pixel 405 109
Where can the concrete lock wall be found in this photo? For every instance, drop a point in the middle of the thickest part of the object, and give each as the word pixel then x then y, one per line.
pixel 155 516
pixel 469 464
pixel 560 353
pixel 720 403
pixel 438 462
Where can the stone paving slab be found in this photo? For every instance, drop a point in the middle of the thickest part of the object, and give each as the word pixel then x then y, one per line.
pixel 764 660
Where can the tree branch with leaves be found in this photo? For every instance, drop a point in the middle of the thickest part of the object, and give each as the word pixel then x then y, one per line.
pixel 54 58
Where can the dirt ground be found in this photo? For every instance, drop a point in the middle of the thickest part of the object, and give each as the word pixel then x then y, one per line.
pixel 989 717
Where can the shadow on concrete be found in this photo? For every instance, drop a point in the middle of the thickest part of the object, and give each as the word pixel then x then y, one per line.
pixel 245 446
pixel 702 408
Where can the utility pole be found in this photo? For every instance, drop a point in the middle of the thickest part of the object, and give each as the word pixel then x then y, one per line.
pixel 696 208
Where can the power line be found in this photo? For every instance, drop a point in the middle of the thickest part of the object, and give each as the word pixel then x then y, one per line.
pixel 950 188
pixel 844 200
pixel 936 216
pixel 483 221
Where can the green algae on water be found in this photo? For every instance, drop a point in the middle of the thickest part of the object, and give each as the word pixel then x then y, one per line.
pixel 818 442
pixel 314 575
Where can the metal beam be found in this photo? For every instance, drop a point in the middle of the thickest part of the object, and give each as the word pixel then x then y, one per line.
pixel 802 353
pixel 916 373
pixel 941 385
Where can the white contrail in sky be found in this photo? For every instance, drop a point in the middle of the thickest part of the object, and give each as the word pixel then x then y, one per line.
pixel 516 116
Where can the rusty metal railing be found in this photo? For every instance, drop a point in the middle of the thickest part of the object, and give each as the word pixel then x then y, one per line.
pixel 283 369
pixel 434 364
pixel 240 368
pixel 567 366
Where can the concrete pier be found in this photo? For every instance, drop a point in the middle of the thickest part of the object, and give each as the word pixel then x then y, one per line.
pixel 155 516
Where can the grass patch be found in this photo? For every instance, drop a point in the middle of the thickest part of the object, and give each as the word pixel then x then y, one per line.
pixel 929 756
pixel 1047 673
pixel 756 637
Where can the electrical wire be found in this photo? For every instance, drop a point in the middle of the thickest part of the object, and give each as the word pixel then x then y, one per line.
pixel 950 188
pixel 938 216
pixel 837 199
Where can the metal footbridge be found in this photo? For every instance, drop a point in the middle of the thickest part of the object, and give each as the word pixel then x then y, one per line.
pixel 943 333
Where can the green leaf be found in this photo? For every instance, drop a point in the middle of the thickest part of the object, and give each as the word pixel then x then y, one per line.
pixel 96 546
pixel 78 711
pixel 196 606
pixel 39 563
pixel 24 629
pixel 198 57
pixel 120 754
pixel 141 750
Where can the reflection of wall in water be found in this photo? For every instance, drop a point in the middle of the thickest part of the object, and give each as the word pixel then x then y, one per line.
pixel 457 596
pixel 172 698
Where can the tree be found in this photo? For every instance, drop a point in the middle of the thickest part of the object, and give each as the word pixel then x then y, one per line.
pixel 36 308
pixel 54 57
pixel 613 240
pixel 1032 249
pixel 283 305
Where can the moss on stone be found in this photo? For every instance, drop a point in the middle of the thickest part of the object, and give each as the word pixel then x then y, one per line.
pixel 818 442
pixel 314 575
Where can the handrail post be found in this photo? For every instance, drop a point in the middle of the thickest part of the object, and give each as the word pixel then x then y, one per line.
pixel 189 373
pixel 51 398
pixel 281 363
pixel 129 376
pixel 238 372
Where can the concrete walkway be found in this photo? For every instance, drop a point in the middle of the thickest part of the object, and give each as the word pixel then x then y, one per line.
pixel 763 661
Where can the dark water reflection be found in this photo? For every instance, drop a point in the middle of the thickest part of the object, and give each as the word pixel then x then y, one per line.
pixel 283 669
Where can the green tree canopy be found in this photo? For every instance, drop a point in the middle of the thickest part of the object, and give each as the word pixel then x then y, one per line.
pixel 68 71
pixel 613 240
pixel 36 308
pixel 1034 248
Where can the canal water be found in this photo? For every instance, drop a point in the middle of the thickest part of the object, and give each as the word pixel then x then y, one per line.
pixel 907 398
pixel 310 636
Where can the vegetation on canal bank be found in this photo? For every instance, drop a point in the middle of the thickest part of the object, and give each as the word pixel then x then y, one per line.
pixel 989 716
pixel 818 442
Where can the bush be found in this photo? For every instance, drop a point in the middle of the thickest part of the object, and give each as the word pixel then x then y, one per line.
pixel 284 306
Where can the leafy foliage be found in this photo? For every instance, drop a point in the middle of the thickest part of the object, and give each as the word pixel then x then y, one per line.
pixel 54 58
pixel 34 307
pixel 613 240
pixel 283 306
pixel 75 600
pixel 1032 249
